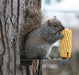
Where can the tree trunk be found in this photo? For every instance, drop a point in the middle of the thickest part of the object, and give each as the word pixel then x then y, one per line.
pixel 12 18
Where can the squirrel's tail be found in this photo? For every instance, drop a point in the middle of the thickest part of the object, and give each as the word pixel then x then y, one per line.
pixel 31 24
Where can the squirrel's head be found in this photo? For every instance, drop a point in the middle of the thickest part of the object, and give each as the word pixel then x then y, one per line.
pixel 55 24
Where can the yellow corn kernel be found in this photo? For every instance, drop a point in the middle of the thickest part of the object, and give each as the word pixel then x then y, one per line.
pixel 65 44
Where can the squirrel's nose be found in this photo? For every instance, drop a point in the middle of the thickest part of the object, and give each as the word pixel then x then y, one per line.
pixel 63 28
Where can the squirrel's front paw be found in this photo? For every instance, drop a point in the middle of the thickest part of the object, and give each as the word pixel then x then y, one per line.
pixel 61 36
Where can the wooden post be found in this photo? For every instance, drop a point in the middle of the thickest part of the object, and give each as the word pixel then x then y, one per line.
pixel 12 18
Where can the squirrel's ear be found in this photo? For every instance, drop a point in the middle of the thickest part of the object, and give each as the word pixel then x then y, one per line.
pixel 48 22
pixel 55 17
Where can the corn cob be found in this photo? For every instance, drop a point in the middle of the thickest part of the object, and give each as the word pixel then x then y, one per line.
pixel 65 44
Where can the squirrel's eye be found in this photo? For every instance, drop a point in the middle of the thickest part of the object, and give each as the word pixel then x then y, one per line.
pixel 55 26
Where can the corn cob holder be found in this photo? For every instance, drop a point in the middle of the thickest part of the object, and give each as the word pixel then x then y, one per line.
pixel 65 44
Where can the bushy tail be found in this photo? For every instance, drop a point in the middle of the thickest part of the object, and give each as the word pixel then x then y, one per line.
pixel 31 24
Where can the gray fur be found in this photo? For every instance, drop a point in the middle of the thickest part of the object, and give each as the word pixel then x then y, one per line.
pixel 35 48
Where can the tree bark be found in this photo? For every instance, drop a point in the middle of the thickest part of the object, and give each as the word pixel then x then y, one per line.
pixel 12 18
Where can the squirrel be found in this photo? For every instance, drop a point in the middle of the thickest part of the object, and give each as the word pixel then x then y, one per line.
pixel 36 38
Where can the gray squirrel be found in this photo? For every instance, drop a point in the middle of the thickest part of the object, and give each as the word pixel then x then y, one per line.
pixel 36 38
